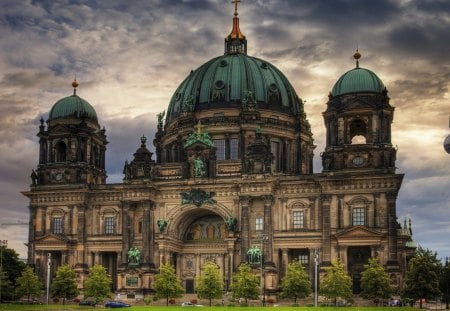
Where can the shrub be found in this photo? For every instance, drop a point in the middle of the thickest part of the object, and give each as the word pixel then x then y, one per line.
pixel 147 300
pixel 295 305
pixel 172 301
pixel 194 301
pixel 270 300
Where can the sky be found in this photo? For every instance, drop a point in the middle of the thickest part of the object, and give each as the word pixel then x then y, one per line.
pixel 130 56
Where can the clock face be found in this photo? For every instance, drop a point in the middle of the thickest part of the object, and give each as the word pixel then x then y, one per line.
pixel 358 161
pixel 58 177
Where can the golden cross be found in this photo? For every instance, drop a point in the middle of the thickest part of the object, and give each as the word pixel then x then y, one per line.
pixel 199 127
pixel 235 6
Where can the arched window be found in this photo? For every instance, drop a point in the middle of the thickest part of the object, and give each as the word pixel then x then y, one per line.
pixel 61 152
pixel 359 211
pixel 358 131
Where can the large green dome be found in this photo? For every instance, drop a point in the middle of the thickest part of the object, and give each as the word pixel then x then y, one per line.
pixel 358 80
pixel 72 106
pixel 225 81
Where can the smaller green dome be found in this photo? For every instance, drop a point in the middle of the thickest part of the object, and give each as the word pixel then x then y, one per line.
pixel 358 80
pixel 72 106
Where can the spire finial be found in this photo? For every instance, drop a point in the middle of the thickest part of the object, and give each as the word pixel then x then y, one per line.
pixel 235 2
pixel 235 42
pixel 75 85
pixel 357 56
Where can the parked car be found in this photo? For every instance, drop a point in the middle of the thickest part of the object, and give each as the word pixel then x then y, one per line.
pixel 116 304
pixel 87 302
pixel 190 304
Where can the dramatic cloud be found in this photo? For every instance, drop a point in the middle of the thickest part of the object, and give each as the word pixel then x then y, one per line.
pixel 129 57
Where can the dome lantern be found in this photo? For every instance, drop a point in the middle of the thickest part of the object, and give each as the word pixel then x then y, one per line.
pixel 235 42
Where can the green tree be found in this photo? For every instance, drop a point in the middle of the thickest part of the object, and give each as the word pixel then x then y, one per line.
pixel 336 283
pixel 422 277
pixel 166 284
pixel 375 282
pixel 12 268
pixel 64 285
pixel 28 284
pixel 444 283
pixel 6 286
pixel 98 284
pixel 296 283
pixel 209 284
pixel 245 283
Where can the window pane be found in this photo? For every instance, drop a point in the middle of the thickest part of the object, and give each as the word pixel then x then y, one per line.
pixel 259 223
pixel 220 148
pixel 304 260
pixel 57 225
pixel 275 149
pixel 298 219
pixel 109 225
pixel 358 216
pixel 234 149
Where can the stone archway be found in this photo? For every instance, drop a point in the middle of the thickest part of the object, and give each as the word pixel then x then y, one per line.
pixel 357 257
pixel 198 235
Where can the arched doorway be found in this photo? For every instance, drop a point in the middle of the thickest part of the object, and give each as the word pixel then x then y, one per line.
pixel 357 257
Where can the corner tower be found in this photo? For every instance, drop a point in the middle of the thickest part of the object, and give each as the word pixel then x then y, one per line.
pixel 72 147
pixel 358 124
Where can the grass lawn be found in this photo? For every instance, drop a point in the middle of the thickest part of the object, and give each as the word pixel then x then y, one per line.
pixel 12 307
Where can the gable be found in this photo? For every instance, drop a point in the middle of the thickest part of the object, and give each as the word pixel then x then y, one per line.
pixel 358 235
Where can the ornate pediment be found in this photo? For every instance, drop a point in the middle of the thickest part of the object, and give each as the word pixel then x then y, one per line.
pixel 358 234
pixel 52 239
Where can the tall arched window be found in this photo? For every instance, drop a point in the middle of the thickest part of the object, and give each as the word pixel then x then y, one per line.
pixel 61 152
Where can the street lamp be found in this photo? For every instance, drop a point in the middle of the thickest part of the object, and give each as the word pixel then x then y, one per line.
pixel 316 264
pixel 3 244
pixel 263 239
pixel 49 263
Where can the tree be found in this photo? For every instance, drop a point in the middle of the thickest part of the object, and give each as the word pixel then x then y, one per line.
pixel 245 283
pixel 28 284
pixel 422 277
pixel 209 284
pixel 166 284
pixel 12 268
pixel 375 282
pixel 98 284
pixel 295 283
pixel 64 285
pixel 6 286
pixel 336 283
pixel 444 283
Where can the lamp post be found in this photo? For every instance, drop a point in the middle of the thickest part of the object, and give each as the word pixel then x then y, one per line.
pixel 316 264
pixel 447 276
pixel 49 262
pixel 263 239
pixel 3 244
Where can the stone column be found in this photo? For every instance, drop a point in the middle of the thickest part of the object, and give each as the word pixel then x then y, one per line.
pixel 392 227
pixel 31 234
pixel 125 231
pixel 284 262
pixel 146 233
pixel 268 228
pixel 244 202
pixel 326 229
pixel 81 234
pixel 197 264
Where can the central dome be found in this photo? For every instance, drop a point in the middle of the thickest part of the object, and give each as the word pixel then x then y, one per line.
pixel 225 81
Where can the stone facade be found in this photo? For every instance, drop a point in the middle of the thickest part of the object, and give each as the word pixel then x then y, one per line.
pixel 227 178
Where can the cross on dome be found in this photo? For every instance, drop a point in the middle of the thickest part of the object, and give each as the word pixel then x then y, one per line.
pixel 235 2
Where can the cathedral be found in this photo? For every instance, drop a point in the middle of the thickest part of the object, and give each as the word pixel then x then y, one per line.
pixel 231 181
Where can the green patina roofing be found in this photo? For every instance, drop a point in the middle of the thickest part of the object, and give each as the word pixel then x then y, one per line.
pixel 358 80
pixel 72 106
pixel 235 74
